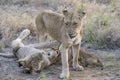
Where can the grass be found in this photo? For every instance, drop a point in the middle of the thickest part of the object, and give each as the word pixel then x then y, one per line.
pixel 101 22
pixel 81 8
pixel 12 22
pixel 98 24
pixel 43 75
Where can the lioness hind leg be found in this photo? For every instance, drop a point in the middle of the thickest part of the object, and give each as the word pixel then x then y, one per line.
pixel 41 30
pixel 42 38
pixel 75 53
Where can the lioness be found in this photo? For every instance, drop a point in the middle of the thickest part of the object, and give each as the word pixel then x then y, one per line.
pixel 65 28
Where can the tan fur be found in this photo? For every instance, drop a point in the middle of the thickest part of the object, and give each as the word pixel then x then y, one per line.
pixel 29 57
pixel 33 59
pixel 65 28
pixel 85 58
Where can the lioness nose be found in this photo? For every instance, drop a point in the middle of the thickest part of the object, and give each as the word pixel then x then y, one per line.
pixel 71 36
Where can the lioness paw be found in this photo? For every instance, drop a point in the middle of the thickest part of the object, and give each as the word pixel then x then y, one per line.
pixel 78 68
pixel 64 76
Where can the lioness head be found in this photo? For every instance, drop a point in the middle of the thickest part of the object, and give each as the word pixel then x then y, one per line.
pixel 32 63
pixel 72 22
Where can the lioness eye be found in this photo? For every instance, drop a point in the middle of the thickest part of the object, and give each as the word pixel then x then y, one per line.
pixel 66 23
pixel 74 23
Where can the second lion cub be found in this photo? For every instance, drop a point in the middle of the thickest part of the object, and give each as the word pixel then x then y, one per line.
pixel 66 28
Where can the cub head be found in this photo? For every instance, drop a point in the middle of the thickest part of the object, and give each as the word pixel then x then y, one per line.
pixel 32 63
pixel 52 54
pixel 73 22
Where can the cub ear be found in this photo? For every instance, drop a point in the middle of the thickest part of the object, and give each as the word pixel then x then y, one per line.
pixel 21 62
pixel 40 56
pixel 58 51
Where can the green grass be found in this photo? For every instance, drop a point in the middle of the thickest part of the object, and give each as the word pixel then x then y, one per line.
pixel 81 8
pixel 44 76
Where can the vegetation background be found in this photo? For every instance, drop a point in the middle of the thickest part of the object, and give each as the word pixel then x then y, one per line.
pixel 101 26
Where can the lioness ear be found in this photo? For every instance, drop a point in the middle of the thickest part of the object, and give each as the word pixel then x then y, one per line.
pixel 21 62
pixel 83 13
pixel 65 12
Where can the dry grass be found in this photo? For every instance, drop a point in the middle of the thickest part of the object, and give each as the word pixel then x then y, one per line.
pixel 12 21
pixel 101 24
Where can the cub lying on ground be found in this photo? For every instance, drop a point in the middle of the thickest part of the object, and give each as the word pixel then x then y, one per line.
pixel 29 57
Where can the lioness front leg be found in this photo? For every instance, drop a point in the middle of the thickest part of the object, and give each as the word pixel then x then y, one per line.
pixel 75 52
pixel 64 57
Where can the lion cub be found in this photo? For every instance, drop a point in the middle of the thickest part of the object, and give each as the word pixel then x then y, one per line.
pixel 66 28
pixel 29 57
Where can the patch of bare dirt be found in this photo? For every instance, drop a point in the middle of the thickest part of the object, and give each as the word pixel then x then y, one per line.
pixel 9 69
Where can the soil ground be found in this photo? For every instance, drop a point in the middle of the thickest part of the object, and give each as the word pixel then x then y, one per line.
pixel 9 69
